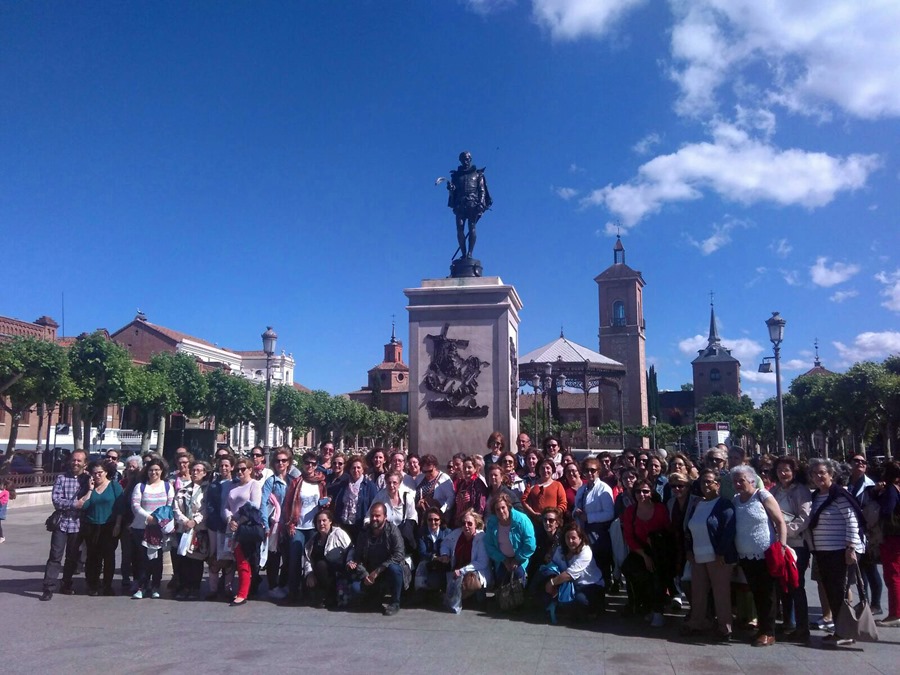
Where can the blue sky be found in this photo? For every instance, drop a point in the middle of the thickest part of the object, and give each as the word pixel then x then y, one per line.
pixel 228 166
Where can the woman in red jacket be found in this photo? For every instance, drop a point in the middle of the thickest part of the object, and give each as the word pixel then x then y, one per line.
pixel 646 585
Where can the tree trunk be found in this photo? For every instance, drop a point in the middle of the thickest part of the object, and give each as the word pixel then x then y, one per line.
pixel 77 439
pixel 888 441
pixel 86 435
pixel 13 435
pixel 161 434
pixel 40 430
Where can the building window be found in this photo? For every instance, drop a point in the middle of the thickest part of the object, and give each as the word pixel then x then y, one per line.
pixel 618 313
pixel 715 375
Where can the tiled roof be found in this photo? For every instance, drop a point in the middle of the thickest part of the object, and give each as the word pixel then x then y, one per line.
pixel 387 365
pixel 300 387
pixel 618 271
pixel 567 351
pixel 178 336
pixel 818 370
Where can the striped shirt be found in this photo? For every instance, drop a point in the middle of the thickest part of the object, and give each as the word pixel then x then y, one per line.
pixel 147 498
pixel 837 527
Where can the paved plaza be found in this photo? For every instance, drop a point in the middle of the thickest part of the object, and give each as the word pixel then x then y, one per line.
pixel 81 634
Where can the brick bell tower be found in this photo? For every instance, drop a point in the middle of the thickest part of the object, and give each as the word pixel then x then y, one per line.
pixel 622 336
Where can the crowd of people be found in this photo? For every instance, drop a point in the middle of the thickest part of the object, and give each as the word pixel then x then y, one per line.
pixel 728 541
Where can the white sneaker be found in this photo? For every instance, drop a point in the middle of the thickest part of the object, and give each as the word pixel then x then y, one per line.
pixel 677 604
pixel 278 593
pixel 657 621
pixel 138 595
pixel 2 540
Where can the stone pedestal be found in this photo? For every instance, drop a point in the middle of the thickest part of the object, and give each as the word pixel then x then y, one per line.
pixel 463 368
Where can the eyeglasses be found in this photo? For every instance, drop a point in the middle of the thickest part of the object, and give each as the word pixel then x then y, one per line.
pixel 434 520
pixel 98 473
pixel 310 463
pixel 256 456
pixel 591 469
pixel 496 444
pixel 645 492
pixel 552 445
pixel 282 460
pixel 549 520
pixel 112 457
pixel 242 469
pixel 860 461
pixel 678 487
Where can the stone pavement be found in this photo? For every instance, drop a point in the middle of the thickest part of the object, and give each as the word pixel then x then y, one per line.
pixel 79 634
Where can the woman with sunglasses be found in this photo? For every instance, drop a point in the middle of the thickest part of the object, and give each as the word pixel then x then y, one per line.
pixel 709 543
pixel 244 490
pixel 594 511
pixel 646 581
pixel 99 524
pixel 189 508
pixel 464 552
pixel 678 506
pixel 553 450
pixel 496 444
pixel 274 492
pixel 431 570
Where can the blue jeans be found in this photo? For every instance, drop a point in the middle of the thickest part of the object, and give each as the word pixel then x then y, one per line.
pixel 795 608
pixel 388 581
pixel 295 560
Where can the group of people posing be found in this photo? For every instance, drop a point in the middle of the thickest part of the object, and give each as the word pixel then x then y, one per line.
pixel 528 525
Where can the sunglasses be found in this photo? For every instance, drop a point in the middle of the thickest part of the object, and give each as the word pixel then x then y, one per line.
pixel 256 456
pixel 645 492
pixel 312 463
pixel 549 520
pixel 282 460
pixel 242 469
pixel 591 469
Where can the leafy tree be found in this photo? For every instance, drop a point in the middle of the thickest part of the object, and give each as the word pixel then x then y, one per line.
pixel 34 372
pixel 99 369
pixel 228 398
pixel 153 397
pixel 857 395
pixel 652 394
pixel 288 411
pixel 687 386
pixel 723 408
pixel 188 385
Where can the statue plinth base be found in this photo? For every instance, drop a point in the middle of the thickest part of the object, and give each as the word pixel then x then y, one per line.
pixel 463 364
pixel 465 267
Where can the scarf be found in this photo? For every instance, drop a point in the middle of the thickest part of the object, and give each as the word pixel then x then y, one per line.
pixel 425 491
pixel 295 502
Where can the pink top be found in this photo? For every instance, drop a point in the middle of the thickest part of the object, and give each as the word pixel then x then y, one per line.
pixel 636 531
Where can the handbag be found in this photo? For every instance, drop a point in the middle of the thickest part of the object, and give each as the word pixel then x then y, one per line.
pixel 52 522
pixel 855 620
pixel 511 595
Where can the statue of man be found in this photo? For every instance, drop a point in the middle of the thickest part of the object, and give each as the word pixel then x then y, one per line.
pixel 469 198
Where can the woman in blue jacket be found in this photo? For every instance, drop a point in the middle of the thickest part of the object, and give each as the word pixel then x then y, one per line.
pixel 709 543
pixel 509 540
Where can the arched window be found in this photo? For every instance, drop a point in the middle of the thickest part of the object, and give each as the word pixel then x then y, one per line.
pixel 618 313
pixel 715 375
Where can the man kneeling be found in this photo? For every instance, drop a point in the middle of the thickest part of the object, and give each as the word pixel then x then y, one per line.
pixel 376 563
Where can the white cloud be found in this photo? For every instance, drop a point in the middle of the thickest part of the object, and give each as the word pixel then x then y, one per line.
pixel 738 168
pixel 840 296
pixel 791 277
pixel 643 146
pixel 565 193
pixel 485 7
pixel 720 237
pixel 751 374
pixel 574 168
pixel 781 248
pixel 814 54
pixel 757 394
pixel 744 350
pixel 891 291
pixel 796 364
pixel 572 19
pixel 869 346
pixel 825 276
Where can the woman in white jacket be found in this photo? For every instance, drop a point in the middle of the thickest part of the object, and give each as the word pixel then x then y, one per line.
pixel 189 509
pixel 470 567
pixel 324 558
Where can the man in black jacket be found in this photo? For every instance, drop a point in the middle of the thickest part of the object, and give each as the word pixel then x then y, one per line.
pixel 376 561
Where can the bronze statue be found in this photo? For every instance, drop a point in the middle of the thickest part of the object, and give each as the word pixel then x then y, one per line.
pixel 469 198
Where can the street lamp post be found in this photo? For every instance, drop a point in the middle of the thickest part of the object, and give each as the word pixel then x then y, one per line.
pixel 548 384
pixel 535 382
pixel 269 338
pixel 775 324
pixel 653 428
